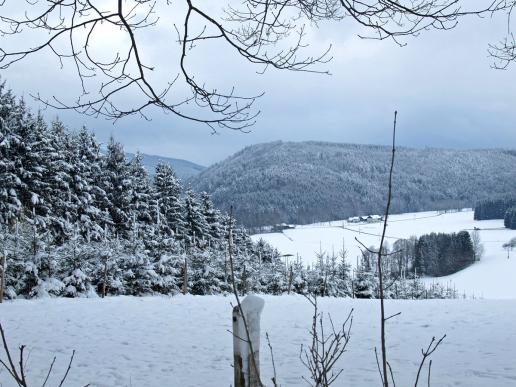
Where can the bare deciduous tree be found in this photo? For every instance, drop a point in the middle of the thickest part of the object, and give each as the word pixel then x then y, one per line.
pixel 478 247
pixel 321 357
pixel 266 33
pixel 384 367
pixel 509 246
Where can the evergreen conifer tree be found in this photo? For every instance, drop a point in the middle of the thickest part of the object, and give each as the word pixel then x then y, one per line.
pixel 167 191
pixel 117 187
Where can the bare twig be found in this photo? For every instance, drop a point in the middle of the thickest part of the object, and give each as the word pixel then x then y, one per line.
pixel 392 316
pixel 18 374
pixel 274 378
pixel 49 372
pixel 385 380
pixel 67 369
pixel 429 373
pixel 426 353
pixel 326 349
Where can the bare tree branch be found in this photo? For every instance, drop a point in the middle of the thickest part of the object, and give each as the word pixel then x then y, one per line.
pixel 426 353
pixel 326 349
pixel 18 374
pixel 266 33
pixel 274 378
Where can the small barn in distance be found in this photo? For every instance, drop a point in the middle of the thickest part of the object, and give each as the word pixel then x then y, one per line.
pixel 282 226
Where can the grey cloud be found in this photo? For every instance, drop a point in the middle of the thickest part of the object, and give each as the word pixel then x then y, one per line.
pixel 441 82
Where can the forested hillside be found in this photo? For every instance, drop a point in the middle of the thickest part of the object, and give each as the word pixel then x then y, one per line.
pixel 184 169
pixel 315 181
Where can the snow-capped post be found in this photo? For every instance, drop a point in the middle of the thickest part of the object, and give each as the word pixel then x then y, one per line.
pixel 247 369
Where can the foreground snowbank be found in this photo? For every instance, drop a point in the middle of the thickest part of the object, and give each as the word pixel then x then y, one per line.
pixel 183 341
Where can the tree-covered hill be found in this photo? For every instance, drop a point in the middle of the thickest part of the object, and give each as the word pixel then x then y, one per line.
pixel 184 169
pixel 316 181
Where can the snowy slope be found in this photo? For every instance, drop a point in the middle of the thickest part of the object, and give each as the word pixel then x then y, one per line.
pixel 183 341
pixel 492 277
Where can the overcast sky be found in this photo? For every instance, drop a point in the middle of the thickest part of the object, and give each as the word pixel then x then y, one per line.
pixel 441 83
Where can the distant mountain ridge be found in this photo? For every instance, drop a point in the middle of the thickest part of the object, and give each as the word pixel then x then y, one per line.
pixel 305 182
pixel 184 169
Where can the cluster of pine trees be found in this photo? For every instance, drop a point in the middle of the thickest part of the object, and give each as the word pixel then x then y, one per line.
pixel 435 254
pixel 439 254
pixel 493 208
pixel 77 221
pixel 331 275
pixel 510 218
pixel 402 280
pixel 497 209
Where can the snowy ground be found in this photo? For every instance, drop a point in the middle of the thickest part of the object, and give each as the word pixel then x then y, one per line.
pixel 492 278
pixel 183 341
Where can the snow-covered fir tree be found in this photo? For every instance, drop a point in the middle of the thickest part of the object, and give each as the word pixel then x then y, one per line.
pixel 167 198
pixel 117 185
pixel 196 227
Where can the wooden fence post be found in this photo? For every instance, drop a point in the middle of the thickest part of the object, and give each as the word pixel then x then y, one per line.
pixel 290 278
pixel 239 380
pixel 245 374
pixel 104 281
pixel 185 277
pixel 2 276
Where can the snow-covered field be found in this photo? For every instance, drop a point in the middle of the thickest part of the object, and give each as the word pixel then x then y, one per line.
pixel 183 341
pixel 493 277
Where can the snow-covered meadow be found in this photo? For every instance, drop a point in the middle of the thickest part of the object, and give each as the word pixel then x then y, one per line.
pixel 183 341
pixel 492 277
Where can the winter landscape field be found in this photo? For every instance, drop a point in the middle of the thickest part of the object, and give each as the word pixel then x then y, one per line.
pixel 257 193
pixel 186 341
pixel 492 277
